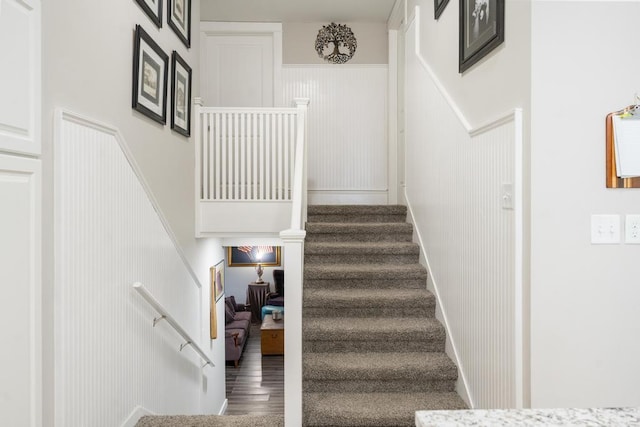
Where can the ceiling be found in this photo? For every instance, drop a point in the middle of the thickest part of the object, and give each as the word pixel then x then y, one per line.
pixel 296 10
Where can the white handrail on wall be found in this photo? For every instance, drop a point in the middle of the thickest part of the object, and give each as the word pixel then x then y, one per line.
pixel 164 315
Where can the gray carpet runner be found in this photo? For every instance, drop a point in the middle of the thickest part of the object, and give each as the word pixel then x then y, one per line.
pixel 373 352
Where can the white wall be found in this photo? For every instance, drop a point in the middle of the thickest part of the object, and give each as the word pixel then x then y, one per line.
pixel 299 39
pixel 347 130
pixel 454 185
pixel 109 359
pixel 500 81
pixel 584 298
pixel 87 55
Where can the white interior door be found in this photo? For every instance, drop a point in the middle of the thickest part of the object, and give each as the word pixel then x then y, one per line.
pixel 238 70
pixel 20 214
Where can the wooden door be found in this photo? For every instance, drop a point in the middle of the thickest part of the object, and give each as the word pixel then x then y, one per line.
pixel 238 70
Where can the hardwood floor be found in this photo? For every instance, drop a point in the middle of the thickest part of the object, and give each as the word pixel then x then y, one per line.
pixel 257 385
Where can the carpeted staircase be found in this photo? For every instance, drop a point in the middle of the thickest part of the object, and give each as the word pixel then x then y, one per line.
pixel 373 352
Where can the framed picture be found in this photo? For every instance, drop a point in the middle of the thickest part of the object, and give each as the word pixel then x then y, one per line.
pixel 150 68
pixel 481 29
pixel 218 289
pixel 180 95
pixel 250 256
pixel 179 19
pixel 153 8
pixel 213 318
pixel 438 6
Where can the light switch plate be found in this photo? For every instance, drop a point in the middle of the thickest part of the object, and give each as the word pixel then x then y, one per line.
pixel 605 229
pixel 506 195
pixel 632 229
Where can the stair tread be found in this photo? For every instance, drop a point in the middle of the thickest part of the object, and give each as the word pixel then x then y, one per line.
pixel 365 271
pixel 249 420
pixel 356 209
pixel 344 298
pixel 374 409
pixel 333 248
pixel 364 329
pixel 359 227
pixel 378 366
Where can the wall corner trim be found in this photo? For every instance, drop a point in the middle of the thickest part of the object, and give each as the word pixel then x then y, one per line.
pixel 61 115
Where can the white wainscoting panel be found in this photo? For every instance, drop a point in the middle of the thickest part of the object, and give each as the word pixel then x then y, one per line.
pixel 347 120
pixel 108 356
pixel 20 292
pixel 454 184
pixel 20 87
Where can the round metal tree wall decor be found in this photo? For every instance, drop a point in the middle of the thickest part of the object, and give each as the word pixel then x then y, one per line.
pixel 336 43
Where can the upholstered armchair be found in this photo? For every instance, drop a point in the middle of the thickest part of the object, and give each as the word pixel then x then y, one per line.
pixel 277 298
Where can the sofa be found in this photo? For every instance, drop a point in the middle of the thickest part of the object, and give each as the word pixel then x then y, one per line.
pixel 236 329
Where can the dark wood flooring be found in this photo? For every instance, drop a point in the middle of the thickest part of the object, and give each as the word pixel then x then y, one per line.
pixel 257 385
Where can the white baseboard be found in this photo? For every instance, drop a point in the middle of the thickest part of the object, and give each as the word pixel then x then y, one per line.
pixel 133 418
pixel 223 409
pixel 347 197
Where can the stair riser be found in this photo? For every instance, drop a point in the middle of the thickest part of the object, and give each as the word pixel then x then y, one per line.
pixel 342 219
pixel 379 346
pixel 374 312
pixel 324 259
pixel 385 386
pixel 359 237
pixel 311 283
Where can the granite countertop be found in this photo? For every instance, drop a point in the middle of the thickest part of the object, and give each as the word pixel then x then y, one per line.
pixel 609 417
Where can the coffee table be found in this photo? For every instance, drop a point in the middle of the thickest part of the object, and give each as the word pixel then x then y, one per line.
pixel 272 336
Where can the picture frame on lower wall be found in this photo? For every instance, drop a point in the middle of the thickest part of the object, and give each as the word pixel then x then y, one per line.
pixel 216 290
pixel 438 7
pixel 150 69
pixel 219 280
pixel 251 256
pixel 481 30
pixel 180 95
pixel 153 9
pixel 179 19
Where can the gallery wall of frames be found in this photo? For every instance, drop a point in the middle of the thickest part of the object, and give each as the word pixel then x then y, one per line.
pixel 151 67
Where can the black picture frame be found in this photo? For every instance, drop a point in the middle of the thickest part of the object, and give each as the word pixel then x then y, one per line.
pixel 179 19
pixel 438 7
pixel 251 256
pixel 150 73
pixel 153 9
pixel 180 95
pixel 481 30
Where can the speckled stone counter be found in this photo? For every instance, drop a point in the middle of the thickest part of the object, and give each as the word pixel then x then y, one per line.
pixel 609 417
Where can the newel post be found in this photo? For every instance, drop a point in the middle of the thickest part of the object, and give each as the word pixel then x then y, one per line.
pixel 293 241
pixel 302 104
pixel 198 156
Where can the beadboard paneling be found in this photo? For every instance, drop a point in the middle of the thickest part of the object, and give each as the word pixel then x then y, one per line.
pixel 453 189
pixel 108 356
pixel 347 128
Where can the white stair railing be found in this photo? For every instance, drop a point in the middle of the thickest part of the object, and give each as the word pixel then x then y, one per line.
pixel 246 154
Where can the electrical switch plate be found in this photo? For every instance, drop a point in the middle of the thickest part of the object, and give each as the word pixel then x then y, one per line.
pixel 605 229
pixel 507 195
pixel 632 229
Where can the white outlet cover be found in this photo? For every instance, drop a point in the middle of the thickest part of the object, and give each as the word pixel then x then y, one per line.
pixel 605 229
